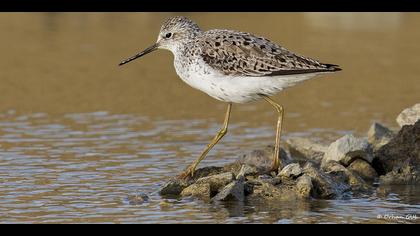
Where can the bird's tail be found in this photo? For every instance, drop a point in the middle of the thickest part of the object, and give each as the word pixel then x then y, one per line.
pixel 332 67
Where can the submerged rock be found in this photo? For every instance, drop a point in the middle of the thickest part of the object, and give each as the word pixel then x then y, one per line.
pixel 303 148
pixel 363 169
pixel 379 135
pixel 346 149
pixel 401 156
pixel 137 199
pixel 409 116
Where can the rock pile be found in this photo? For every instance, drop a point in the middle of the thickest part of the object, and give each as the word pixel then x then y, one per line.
pixel 346 167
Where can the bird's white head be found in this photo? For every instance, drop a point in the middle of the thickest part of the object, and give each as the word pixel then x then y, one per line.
pixel 173 33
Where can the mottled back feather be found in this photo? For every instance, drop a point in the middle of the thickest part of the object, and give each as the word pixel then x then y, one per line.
pixel 244 54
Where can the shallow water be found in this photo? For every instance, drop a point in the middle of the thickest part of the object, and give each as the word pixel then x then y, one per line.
pixel 79 136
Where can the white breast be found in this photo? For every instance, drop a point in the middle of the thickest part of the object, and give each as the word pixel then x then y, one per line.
pixel 234 89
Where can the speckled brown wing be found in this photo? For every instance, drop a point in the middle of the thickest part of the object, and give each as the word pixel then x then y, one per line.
pixel 244 54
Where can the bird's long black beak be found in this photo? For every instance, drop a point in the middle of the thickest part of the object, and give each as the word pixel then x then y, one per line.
pixel 144 52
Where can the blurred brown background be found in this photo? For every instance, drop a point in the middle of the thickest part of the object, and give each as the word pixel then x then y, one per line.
pixel 61 63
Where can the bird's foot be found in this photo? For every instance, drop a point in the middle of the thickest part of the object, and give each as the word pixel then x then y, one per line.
pixel 276 166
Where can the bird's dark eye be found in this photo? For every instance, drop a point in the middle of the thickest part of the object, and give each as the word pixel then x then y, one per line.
pixel 168 35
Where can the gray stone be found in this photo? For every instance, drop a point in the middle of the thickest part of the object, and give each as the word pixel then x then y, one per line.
pixel 400 155
pixel 234 191
pixel 363 169
pixel 324 187
pixel 137 199
pixel 304 186
pixel 262 159
pixel 304 148
pixel 290 171
pixel 379 135
pixel 197 190
pixel 409 116
pixel 346 149
pixel 216 182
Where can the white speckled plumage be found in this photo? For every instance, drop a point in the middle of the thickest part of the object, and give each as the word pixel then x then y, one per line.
pixel 234 66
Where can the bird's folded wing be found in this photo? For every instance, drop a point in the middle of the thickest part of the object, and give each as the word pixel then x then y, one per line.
pixel 244 54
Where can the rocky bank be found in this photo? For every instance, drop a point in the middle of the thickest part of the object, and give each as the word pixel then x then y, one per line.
pixel 346 167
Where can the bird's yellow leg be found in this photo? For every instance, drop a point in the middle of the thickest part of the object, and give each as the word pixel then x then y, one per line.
pixel 280 110
pixel 190 170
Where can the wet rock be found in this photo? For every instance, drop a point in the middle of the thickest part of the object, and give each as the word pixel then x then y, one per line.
pixel 409 116
pixel 304 186
pixel 235 191
pixel 286 191
pixel 216 182
pixel 303 148
pixel 267 192
pixel 247 170
pixel 290 171
pixel 363 169
pixel 405 174
pixel 174 186
pixel 346 149
pixel 137 199
pixel 341 174
pixel 401 154
pixel 262 159
pixel 379 135
pixel 324 186
pixel 197 190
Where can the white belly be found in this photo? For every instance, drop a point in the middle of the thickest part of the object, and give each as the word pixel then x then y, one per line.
pixel 236 89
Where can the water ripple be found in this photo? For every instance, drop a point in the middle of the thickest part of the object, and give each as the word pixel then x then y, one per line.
pixel 81 168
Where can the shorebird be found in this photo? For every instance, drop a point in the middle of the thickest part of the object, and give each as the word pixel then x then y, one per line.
pixel 233 67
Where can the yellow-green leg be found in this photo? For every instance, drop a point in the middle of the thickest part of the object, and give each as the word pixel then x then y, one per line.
pixel 190 170
pixel 279 108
